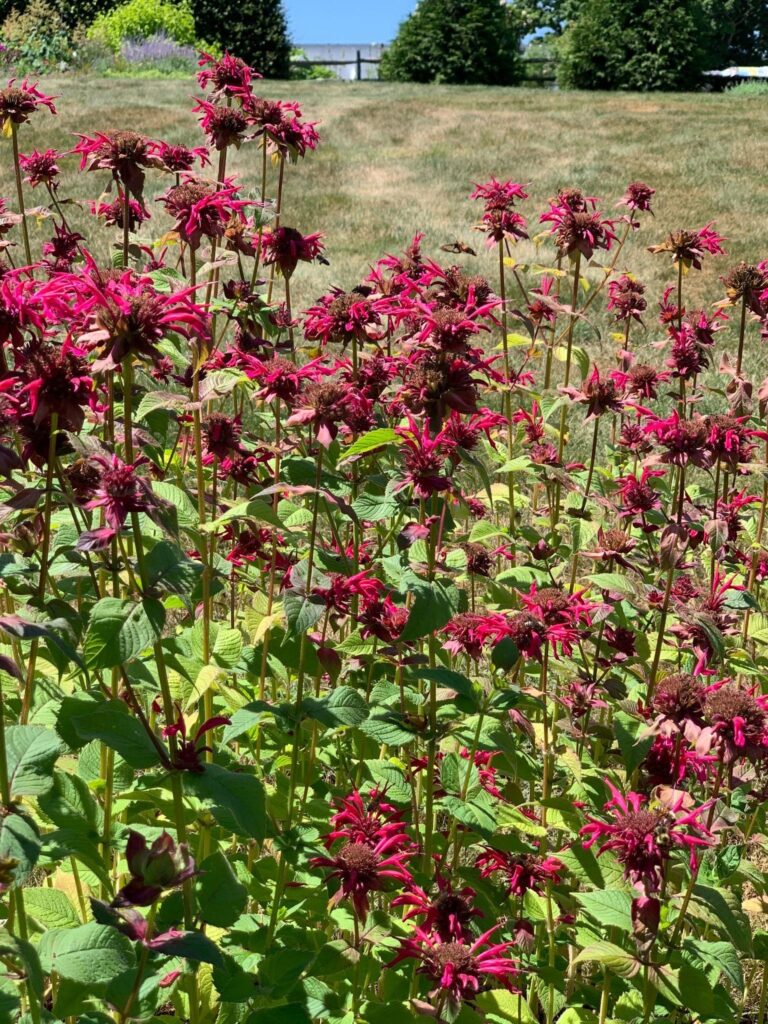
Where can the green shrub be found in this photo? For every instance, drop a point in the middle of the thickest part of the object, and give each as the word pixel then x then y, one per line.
pixel 635 44
pixel 142 19
pixel 752 87
pixel 455 41
pixel 37 39
pixel 71 12
pixel 254 30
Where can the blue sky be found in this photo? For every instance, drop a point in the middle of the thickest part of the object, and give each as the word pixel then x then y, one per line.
pixel 345 21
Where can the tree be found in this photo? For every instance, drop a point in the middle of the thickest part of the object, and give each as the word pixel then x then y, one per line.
pixel 635 44
pixel 738 32
pixel 254 30
pixel 458 42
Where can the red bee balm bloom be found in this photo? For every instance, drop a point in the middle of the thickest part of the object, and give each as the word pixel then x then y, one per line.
pixel 229 76
pixel 448 913
pixel 286 248
pixel 460 969
pixel 125 153
pixel 18 102
pixel 40 168
pixel 643 837
pixel 519 871
pixel 363 868
pixel 690 247
pixel 120 491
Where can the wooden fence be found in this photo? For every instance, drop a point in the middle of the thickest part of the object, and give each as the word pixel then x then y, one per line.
pixel 547 64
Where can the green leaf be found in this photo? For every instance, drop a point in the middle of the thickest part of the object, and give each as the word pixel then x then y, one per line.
pixel 31 751
pixel 69 803
pixel 476 813
pixel 235 799
pixel 186 513
pixel 287 1013
pixel 256 509
pixel 613 581
pixel 447 679
pixel 165 400
pixel 220 896
pixel 512 817
pixel 454 770
pixel 25 955
pixel 228 646
pixel 19 841
pixel 120 630
pixel 374 508
pixel 51 908
pixel 720 956
pixel 505 654
pixel 505 1006
pixel 433 607
pixel 726 912
pixel 627 730
pixel 195 946
pixel 387 728
pixel 91 954
pixel 612 908
pixel 342 706
pixel 613 958
pixel 387 776
pixel 82 719
pixel 170 571
pixel 301 612
pixel 370 441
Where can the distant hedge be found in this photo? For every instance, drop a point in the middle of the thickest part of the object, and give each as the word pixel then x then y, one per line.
pixel 72 12
pixel 255 30
pixel 635 44
pixel 457 42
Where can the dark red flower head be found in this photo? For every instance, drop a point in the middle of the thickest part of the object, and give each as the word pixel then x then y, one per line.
pixel 40 168
pixel 18 102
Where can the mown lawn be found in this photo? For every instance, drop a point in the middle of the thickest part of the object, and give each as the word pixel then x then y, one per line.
pixel 397 159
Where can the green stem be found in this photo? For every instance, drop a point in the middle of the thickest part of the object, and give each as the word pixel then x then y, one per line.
pixel 29 688
pixel 20 193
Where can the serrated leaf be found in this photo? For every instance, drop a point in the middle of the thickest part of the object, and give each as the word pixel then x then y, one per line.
pixel 343 706
pixel 51 908
pixel 390 779
pixel 19 841
pixel 255 509
pixel 155 400
pixel 477 812
pixel 91 954
pixel 370 442
pixel 120 630
pixel 302 612
pixel 611 957
pixel 82 719
pixel 228 646
pixel 220 896
pixel 31 753
pixel 170 571
pixel 69 803
pixel 434 605
pixel 373 508
pixel 612 908
pixel 235 799
pixel 511 817
pixel 387 728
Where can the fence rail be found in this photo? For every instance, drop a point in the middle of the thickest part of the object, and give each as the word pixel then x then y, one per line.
pixel 359 60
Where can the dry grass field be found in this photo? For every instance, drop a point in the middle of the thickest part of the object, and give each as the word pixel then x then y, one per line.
pixel 396 159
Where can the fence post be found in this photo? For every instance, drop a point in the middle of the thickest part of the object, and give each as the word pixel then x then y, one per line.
pixel 359 66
